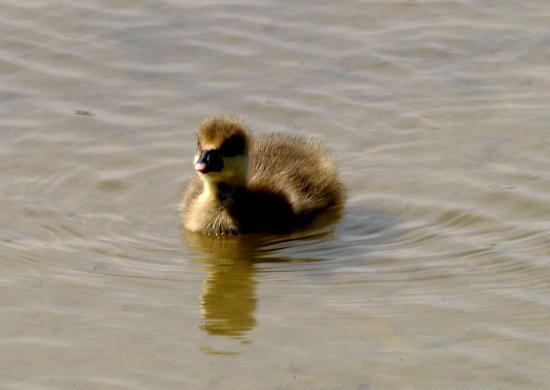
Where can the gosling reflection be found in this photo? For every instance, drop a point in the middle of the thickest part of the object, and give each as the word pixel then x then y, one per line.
pixel 228 298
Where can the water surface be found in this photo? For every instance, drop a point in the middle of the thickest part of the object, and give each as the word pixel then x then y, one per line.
pixel 437 275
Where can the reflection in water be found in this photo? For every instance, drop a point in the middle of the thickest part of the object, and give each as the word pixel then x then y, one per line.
pixel 228 298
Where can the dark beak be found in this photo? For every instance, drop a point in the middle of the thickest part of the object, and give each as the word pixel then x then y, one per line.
pixel 209 161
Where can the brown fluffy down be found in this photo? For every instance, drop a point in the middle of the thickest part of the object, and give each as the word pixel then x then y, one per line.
pixel 290 181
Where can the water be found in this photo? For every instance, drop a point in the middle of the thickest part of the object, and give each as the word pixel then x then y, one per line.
pixel 437 276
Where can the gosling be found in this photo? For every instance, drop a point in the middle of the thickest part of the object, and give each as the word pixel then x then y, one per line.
pixel 273 183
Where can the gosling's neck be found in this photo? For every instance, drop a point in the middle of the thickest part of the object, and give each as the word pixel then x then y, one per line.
pixel 222 193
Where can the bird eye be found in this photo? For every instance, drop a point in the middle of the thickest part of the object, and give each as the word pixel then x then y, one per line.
pixel 232 146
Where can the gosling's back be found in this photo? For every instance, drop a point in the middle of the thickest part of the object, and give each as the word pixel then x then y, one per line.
pixel 297 168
